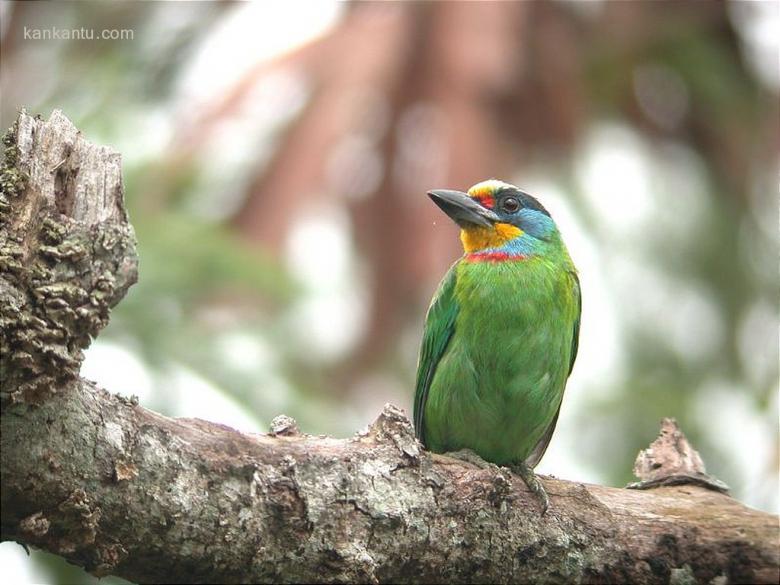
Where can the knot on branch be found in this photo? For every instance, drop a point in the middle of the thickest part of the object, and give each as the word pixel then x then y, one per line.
pixel 670 460
pixel 67 252
pixel 73 530
pixel 284 426
pixel 392 424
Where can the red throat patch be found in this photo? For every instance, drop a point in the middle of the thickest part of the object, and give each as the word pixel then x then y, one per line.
pixel 493 257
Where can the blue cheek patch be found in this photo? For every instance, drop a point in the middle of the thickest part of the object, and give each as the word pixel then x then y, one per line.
pixel 538 228
pixel 535 223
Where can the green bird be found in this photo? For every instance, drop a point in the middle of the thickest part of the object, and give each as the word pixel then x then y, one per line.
pixel 501 333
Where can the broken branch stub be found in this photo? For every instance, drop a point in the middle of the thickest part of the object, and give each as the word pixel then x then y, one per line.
pixel 670 460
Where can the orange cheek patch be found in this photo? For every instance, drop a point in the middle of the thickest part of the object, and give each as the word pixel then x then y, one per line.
pixel 480 238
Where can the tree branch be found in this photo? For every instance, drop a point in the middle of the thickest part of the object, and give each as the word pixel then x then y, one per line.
pixel 119 489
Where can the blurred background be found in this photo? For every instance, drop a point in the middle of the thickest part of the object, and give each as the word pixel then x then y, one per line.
pixel 276 159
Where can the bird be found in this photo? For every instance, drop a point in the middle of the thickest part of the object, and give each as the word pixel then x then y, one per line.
pixel 501 334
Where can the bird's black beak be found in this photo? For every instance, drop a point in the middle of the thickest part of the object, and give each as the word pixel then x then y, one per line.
pixel 462 209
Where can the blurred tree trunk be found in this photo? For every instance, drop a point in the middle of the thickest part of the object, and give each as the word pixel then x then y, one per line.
pixel 121 490
pixel 406 96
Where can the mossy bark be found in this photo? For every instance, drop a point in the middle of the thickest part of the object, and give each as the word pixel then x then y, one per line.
pixel 122 490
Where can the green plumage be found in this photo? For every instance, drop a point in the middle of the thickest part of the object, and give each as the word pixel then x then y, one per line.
pixel 499 343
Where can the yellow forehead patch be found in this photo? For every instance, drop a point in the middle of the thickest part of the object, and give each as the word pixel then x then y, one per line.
pixel 479 238
pixel 487 188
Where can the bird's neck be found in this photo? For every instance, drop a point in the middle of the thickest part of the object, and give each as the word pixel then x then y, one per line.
pixel 491 249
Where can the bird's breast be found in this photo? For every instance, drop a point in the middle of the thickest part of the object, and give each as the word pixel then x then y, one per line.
pixel 513 317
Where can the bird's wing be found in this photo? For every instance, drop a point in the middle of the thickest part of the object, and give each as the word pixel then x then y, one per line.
pixel 439 327
pixel 538 451
pixel 575 339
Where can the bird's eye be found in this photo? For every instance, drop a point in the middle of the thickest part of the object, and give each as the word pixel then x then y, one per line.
pixel 510 204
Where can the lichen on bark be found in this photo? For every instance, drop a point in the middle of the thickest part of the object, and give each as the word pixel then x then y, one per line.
pixel 67 253
pixel 12 179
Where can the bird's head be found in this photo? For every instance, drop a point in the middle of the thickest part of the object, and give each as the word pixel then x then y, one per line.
pixel 497 218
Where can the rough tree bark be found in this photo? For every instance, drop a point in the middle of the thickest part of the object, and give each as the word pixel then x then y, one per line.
pixel 121 490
